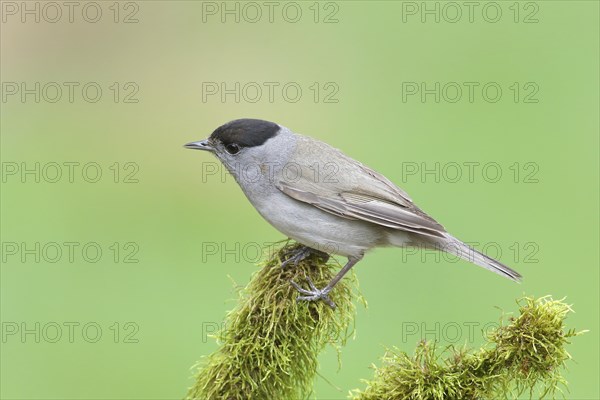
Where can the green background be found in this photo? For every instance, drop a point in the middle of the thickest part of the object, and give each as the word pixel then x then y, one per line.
pixel 175 295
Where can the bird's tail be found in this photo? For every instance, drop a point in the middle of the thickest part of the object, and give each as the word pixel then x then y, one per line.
pixel 454 246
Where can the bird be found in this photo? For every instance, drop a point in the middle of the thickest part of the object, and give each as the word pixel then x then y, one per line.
pixel 326 201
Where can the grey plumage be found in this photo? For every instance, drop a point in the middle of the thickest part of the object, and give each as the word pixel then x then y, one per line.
pixel 329 201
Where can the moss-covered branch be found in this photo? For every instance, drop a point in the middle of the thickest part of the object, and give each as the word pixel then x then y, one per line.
pixel 524 356
pixel 270 343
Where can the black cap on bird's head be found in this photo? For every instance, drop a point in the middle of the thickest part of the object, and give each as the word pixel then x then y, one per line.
pixel 239 133
pixel 245 132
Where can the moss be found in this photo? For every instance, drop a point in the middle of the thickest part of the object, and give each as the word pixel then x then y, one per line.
pixel 524 355
pixel 270 342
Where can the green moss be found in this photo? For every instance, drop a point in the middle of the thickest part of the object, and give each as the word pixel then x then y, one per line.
pixel 270 343
pixel 525 354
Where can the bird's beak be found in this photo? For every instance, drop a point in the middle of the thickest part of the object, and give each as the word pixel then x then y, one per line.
pixel 201 145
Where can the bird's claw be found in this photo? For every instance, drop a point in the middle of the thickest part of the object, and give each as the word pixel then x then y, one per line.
pixel 313 294
pixel 300 254
pixel 296 256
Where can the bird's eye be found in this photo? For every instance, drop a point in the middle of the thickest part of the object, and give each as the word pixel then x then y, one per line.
pixel 232 148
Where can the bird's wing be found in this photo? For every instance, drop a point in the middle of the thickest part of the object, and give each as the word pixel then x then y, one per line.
pixel 352 190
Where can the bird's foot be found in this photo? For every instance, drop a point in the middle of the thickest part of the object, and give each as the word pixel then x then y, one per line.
pixel 313 294
pixel 301 253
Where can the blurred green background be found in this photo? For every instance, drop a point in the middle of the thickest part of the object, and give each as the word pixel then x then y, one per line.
pixel 154 314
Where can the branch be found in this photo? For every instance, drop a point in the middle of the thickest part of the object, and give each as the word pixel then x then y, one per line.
pixel 270 343
pixel 526 354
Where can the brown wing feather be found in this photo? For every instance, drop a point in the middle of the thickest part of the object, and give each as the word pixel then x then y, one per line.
pixel 355 191
pixel 361 207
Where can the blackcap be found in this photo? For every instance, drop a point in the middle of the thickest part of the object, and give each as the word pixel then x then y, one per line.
pixel 325 200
